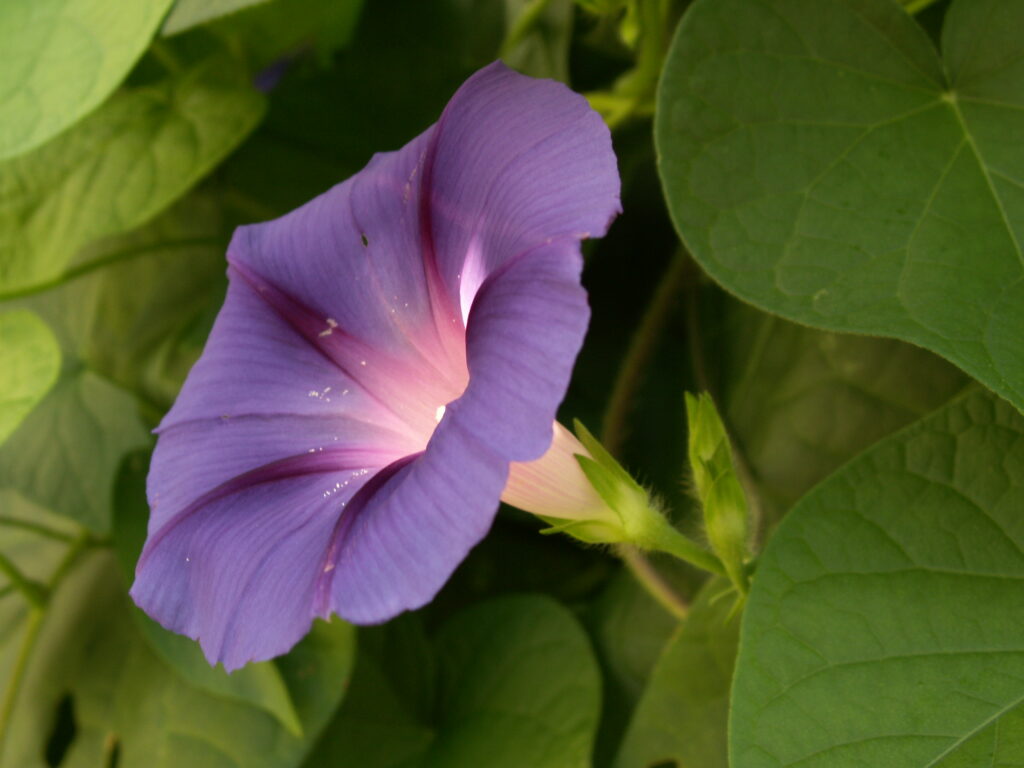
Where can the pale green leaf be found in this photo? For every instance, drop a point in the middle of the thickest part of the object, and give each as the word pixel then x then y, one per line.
pixel 682 716
pixel 124 164
pixel 823 162
pixel 883 627
pixel 507 683
pixel 29 363
pixel 188 13
pixel 59 59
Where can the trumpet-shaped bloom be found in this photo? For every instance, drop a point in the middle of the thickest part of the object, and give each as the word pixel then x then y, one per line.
pixel 384 354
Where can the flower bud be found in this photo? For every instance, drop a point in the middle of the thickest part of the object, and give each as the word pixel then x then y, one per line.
pixel 718 487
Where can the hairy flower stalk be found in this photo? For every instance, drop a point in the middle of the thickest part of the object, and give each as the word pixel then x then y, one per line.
pixel 386 366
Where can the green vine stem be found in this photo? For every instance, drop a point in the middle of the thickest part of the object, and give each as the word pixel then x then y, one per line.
pixel 111 258
pixel 613 425
pixel 649 578
pixel 32 591
pixel 523 25
pixel 37 528
pixel 638 354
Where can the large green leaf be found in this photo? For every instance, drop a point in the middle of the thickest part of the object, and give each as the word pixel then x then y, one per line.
pixel 507 683
pixel 61 58
pixel 128 708
pixel 29 363
pixel 125 163
pixel 822 162
pixel 801 402
pixel 188 13
pixel 682 715
pixel 884 624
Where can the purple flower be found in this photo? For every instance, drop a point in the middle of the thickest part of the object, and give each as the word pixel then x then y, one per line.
pixel 383 355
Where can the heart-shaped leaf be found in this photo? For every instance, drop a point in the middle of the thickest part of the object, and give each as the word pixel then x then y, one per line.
pixel 884 623
pixel 822 162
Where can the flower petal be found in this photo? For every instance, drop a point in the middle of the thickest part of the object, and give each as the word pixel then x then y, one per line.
pixel 240 567
pixel 258 394
pixel 525 330
pixel 346 271
pixel 527 325
pixel 515 162
pixel 396 552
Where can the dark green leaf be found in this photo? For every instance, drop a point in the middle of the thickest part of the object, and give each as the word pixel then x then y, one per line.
pixel 801 402
pixel 883 627
pixel 62 58
pixel 822 162
pixel 516 685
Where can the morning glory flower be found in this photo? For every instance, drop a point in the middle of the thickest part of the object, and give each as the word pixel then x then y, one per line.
pixel 386 366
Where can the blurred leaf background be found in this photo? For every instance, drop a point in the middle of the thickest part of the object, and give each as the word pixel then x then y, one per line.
pixel 133 138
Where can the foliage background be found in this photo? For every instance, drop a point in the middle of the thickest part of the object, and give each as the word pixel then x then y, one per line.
pixel 884 625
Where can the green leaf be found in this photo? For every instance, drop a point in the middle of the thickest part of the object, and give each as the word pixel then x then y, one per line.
pixel 189 13
pixel 629 629
pixel 883 627
pixel 823 163
pixel 131 159
pixel 64 455
pixel 801 402
pixel 683 713
pixel 29 363
pixel 62 58
pixel 124 700
pixel 510 682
